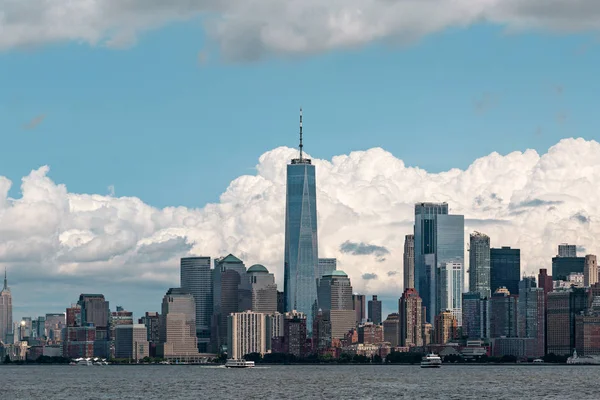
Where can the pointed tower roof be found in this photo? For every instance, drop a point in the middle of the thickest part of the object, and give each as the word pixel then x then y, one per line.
pixel 231 258
pixel 6 288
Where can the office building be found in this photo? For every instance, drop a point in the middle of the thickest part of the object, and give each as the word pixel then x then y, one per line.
pixel 590 270
pixel 563 307
pixel 301 243
pixel 545 281
pixel 475 316
pixel 131 342
pixel 280 302
pixel 446 327
pixel 6 316
pixel 326 266
pixel 335 299
pixel 359 306
pixel 567 250
pixel 231 293
pixel 370 333
pixel 54 325
pixel 451 289
pixel 374 307
pixel 294 333
pixel 503 314
pixel 247 334
pixel 439 239
pixel 178 326
pixel 567 262
pixel 587 335
pixel 321 338
pixel 195 278
pixel 409 261
pixel 95 312
pixel 79 342
pixel 151 320
pixel 479 264
pixel 531 316
pixel 264 289
pixel 391 329
pixel 411 319
pixel 119 317
pixel 505 269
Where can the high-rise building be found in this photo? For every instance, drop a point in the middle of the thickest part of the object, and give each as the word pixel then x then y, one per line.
pixel 411 318
pixel 321 337
pixel 391 329
pixel 590 270
pixel 264 289
pixel 439 239
pixel 359 306
pixel 567 262
pixel 503 314
pixel 151 320
pixel 280 302
pixel 6 317
pixel 479 264
pixel 531 319
pixel 326 266
pixel 446 327
pixel 335 299
pixel 131 342
pixel 54 325
pixel 294 333
pixel 119 317
pixel 95 312
pixel 545 281
pixel 451 282
pixel 563 307
pixel 374 307
pixel 567 250
pixel 196 279
pixel 247 334
pixel 409 261
pixel 505 269
pixel 301 243
pixel 587 332
pixel 231 293
pixel 178 326
pixel 475 316
pixel 370 333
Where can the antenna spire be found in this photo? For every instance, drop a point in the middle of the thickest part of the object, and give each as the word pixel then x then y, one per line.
pixel 5 280
pixel 301 134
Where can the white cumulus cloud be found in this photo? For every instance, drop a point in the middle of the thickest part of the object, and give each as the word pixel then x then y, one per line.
pixel 50 237
pixel 250 29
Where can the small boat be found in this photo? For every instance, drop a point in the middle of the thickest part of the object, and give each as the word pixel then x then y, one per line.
pixel 538 361
pixel 231 363
pixel 84 362
pixel 431 361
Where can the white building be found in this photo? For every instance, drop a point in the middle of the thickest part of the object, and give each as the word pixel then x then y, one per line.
pixel 247 334
pixel 451 289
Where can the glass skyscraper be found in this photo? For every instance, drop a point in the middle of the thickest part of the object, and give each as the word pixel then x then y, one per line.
pixel 439 239
pixel 505 269
pixel 196 279
pixel 301 245
pixel 479 264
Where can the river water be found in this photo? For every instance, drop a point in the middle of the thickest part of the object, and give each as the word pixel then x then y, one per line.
pixel 300 382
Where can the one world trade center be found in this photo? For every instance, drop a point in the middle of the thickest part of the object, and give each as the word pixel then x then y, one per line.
pixel 301 244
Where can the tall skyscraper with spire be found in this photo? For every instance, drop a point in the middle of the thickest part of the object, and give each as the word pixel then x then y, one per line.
pixel 6 317
pixel 301 244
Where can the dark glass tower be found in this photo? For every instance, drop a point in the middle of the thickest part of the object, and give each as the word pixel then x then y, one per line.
pixel 301 245
pixel 505 269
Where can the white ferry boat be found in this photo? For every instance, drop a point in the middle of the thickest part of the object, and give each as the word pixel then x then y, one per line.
pixel 231 363
pixel 589 360
pixel 431 361
pixel 84 362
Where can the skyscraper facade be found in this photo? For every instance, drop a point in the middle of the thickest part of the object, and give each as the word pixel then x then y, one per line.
pixel 531 319
pixel 409 261
pixel 479 264
pixel 411 319
pixel 301 243
pixel 264 289
pixel 439 239
pixel 359 304
pixel 247 334
pixel 505 269
pixel 451 289
pixel 335 300
pixel 196 279
pixel 503 314
pixel 567 250
pixel 374 307
pixel 391 329
pixel 95 312
pixel 178 326
pixel 590 270
pixel 446 328
pixel 475 316
pixel 326 266
pixel 6 317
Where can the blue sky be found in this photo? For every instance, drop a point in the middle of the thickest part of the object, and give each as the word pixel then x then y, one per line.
pixel 158 124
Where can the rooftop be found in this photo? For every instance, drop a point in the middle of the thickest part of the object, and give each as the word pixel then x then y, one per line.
pixel 258 268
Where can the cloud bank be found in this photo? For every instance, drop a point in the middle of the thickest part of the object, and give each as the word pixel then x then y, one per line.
pixel 92 241
pixel 250 29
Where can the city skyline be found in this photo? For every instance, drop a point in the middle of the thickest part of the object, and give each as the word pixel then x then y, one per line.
pixel 374 261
